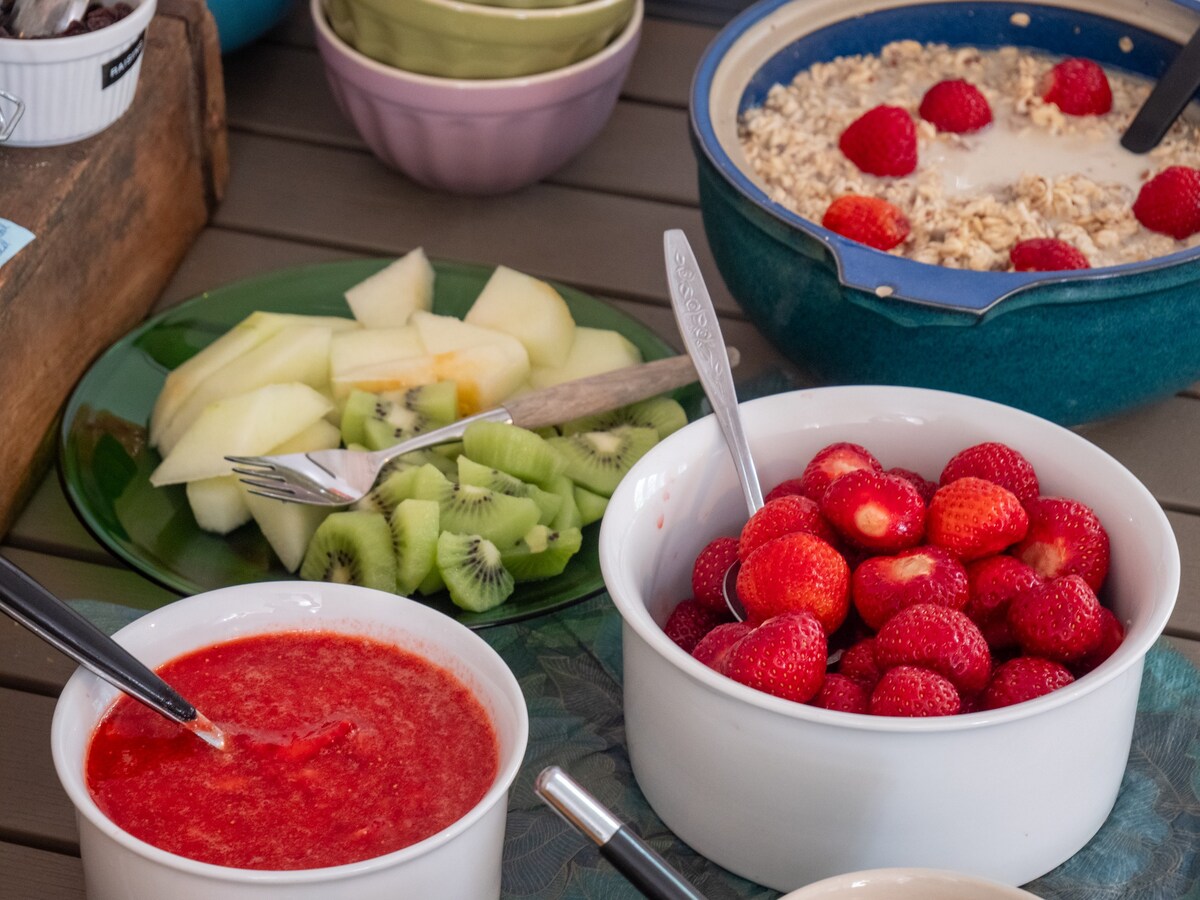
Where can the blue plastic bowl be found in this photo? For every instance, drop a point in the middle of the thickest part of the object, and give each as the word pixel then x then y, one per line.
pixel 1071 348
pixel 241 21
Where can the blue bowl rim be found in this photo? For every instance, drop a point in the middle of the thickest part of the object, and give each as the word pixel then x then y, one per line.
pixel 895 278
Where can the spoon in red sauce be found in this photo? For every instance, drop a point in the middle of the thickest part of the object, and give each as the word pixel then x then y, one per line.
pixel 59 625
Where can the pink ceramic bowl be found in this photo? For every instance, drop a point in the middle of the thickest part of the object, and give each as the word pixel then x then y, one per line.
pixel 472 136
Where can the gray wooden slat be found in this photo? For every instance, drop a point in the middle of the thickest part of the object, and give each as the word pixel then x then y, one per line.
pixel 31 874
pixel 597 242
pixel 27 663
pixel 34 808
pixel 1185 621
pixel 49 525
pixel 72 579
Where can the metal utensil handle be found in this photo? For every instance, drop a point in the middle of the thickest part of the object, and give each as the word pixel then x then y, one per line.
pixel 45 615
pixel 9 123
pixel 1166 101
pixel 701 333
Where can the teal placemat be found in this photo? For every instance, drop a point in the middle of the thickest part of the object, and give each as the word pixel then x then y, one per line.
pixel 569 667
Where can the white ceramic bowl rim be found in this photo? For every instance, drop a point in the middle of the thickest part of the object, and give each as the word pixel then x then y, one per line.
pixel 846 885
pixel 775 23
pixel 1132 649
pixel 505 775
pixel 613 48
pixel 60 49
pixel 534 14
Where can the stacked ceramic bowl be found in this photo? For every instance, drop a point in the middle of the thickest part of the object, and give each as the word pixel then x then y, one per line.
pixel 472 97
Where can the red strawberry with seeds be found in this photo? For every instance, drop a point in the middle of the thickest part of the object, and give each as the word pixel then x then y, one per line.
pixel 793 573
pixel 1046 255
pixel 784 656
pixel 1169 203
pixel 994 581
pixel 924 486
pixel 708 572
pixel 882 141
pixel 842 694
pixel 868 220
pixel 858 662
pixel 1065 537
pixel 689 622
pixel 937 638
pixel 883 585
pixel 1059 620
pixel 1078 87
pixel 913 691
pixel 875 510
pixel 1112 633
pixel 831 463
pixel 955 106
pixel 973 518
pixel 714 647
pixel 1021 679
pixel 781 516
pixel 784 489
pixel 997 463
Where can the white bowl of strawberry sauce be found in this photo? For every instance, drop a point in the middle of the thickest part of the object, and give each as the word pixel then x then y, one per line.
pixel 785 793
pixel 356 717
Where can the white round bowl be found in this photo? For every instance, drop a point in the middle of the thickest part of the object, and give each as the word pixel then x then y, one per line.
pixel 462 860
pixel 907 884
pixel 476 136
pixel 785 794
pixel 70 88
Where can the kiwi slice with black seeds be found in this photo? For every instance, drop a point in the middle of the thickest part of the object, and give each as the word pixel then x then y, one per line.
pixel 352 547
pixel 591 505
pixel 467 509
pixel 662 414
pixel 517 451
pixel 598 460
pixel 471 568
pixel 471 472
pixel 541 553
pixel 568 513
pixel 414 537
pixel 408 412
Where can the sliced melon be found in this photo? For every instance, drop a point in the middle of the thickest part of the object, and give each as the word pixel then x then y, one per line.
pixel 530 310
pixel 594 351
pixel 353 350
pixel 390 296
pixel 218 504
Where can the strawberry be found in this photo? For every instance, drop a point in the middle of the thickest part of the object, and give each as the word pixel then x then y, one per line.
pixel 781 516
pixel 1046 255
pixel 784 656
pixel 714 647
pixel 883 585
pixel 913 691
pixel 1170 202
pixel 843 694
pixel 868 220
pixel 1065 537
pixel 858 662
pixel 689 622
pixel 832 462
pixel 924 486
pixel 1078 87
pixel 997 463
pixel 875 510
pixel 973 518
pixel 994 581
pixel 1112 633
pixel 708 572
pixel 937 638
pixel 882 141
pixel 784 489
pixel 795 572
pixel 955 106
pixel 1059 620
pixel 1021 679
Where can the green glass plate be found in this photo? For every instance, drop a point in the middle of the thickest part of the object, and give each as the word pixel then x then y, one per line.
pixel 105 461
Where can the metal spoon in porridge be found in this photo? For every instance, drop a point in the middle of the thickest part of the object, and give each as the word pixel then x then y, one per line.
pixel 1167 100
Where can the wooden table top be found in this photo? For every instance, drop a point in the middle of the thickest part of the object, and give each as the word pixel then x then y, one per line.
pixel 304 189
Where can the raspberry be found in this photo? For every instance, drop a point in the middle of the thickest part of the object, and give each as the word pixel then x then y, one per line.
pixel 1021 679
pixel 913 691
pixel 882 141
pixel 1059 620
pixel 708 572
pixel 868 220
pixel 1169 202
pixel 997 463
pixel 955 106
pixel 874 510
pixel 1078 87
pixel 1046 255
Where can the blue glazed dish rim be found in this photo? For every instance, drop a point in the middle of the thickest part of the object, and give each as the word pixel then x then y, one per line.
pixel 879 274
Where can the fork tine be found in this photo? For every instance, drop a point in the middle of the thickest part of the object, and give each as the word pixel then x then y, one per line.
pixel 259 464
pixel 274 484
pixel 250 475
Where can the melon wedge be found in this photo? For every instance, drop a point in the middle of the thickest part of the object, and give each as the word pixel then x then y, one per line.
pixel 389 297
pixel 595 350
pixel 368 348
pixel 218 503
pixel 530 310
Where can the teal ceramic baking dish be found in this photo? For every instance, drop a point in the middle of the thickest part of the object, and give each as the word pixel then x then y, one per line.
pixel 1069 347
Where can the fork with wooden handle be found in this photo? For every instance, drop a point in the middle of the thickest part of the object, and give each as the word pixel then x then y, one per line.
pixel 340 477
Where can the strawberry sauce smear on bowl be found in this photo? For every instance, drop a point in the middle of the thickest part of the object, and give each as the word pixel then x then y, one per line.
pixel 316 719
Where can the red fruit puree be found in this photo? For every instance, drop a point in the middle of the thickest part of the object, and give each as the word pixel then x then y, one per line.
pixel 343 748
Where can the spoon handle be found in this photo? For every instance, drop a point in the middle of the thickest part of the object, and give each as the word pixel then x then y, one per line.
pixel 1166 101
pixel 58 624
pixel 701 332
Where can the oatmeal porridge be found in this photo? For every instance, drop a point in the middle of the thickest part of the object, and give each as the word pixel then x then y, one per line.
pixel 1032 172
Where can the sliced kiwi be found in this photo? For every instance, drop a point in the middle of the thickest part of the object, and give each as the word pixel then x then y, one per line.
pixel 432 582
pixel 662 414
pixel 514 450
pixel 471 472
pixel 467 509
pixel 414 538
pixel 408 412
pixel 598 460
pixel 471 568
pixel 392 487
pixel 591 505
pixel 451 451
pixel 568 514
pixel 541 553
pixel 352 547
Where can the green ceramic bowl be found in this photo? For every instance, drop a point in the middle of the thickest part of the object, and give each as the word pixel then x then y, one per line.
pixel 454 39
